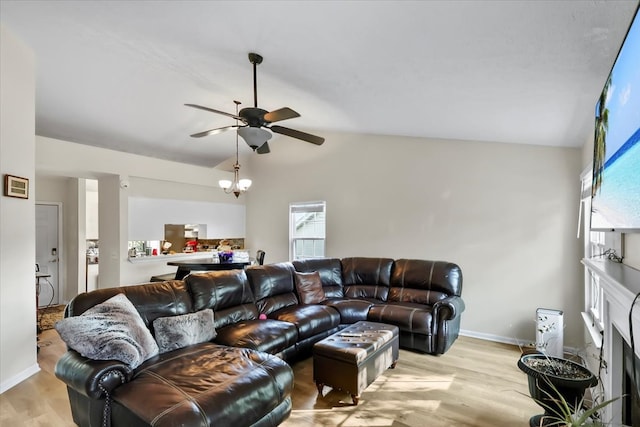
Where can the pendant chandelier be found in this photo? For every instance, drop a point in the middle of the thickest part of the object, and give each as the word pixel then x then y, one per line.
pixel 237 186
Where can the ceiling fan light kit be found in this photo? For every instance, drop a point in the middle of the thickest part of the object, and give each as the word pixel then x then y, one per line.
pixel 254 137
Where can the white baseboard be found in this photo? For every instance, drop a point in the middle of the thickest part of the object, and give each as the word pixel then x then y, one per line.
pixel 506 340
pixel 491 337
pixel 17 379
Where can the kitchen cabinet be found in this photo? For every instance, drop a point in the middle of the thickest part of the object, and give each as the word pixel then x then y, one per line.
pixel 179 234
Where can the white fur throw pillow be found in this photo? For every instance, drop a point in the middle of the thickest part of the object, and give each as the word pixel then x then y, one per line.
pixel 112 330
pixel 175 332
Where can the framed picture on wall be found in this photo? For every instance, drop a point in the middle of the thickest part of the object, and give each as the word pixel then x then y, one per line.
pixel 15 186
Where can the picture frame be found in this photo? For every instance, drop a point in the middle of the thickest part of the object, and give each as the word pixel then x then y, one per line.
pixel 15 186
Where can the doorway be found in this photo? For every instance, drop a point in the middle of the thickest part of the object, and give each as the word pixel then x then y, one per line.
pixel 48 254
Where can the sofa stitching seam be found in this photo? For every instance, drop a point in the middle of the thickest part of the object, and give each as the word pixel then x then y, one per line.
pixel 186 398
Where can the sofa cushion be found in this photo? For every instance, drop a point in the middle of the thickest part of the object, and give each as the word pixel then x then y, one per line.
pixel 310 320
pixel 205 385
pixel 112 330
pixel 268 335
pixel 409 317
pixel 424 282
pixel 272 286
pixel 152 300
pixel 309 287
pixel 351 310
pixel 226 292
pixel 366 277
pixel 330 270
pixel 175 332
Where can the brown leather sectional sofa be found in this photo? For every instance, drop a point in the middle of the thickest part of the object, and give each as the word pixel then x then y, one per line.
pixel 241 377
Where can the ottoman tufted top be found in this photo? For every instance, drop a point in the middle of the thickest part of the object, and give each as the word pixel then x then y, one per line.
pixel 356 342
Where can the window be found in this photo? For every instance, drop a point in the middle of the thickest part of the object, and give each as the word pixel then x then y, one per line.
pixel 594 240
pixel 306 230
pixel 594 246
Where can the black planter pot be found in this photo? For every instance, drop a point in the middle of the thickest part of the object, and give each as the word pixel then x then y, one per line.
pixel 571 387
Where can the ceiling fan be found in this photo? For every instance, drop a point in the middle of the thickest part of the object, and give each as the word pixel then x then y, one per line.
pixel 255 120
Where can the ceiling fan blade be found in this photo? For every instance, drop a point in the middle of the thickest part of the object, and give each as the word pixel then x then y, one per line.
pixel 318 140
pixel 281 114
pixel 263 149
pixel 233 116
pixel 213 131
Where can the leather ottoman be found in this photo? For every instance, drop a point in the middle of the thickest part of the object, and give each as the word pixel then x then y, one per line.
pixel 353 358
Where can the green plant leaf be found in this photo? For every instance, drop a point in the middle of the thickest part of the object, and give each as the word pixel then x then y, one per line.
pixel 567 418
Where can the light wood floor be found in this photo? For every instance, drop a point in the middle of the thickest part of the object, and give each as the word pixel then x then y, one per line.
pixel 476 383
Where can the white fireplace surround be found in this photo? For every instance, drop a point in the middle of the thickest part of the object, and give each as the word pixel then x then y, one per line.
pixel 608 303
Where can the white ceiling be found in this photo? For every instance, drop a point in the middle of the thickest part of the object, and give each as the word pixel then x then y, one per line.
pixel 116 74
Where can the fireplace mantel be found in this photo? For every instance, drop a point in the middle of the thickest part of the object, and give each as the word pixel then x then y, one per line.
pixel 617 274
pixel 616 288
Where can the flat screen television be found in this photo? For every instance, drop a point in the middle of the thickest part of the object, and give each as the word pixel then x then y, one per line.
pixel 615 191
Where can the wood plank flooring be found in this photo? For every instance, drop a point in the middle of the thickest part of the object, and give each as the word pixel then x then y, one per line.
pixel 475 384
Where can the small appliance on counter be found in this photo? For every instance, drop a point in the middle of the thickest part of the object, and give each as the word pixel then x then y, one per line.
pixel 191 246
pixel 165 247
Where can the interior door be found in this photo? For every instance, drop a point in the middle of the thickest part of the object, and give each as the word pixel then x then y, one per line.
pixel 47 254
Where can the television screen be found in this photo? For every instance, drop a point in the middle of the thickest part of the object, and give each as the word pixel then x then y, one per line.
pixel 615 201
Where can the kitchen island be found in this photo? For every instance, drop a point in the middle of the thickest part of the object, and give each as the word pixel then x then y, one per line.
pixel 206 264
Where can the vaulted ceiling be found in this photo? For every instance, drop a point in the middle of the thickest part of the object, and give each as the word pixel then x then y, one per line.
pixel 117 74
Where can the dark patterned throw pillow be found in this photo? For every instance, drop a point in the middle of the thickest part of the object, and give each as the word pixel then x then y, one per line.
pixel 176 332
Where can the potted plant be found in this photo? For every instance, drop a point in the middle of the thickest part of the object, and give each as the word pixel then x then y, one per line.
pixel 558 385
pixel 567 417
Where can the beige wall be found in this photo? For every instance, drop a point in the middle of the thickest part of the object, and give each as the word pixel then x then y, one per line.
pixel 506 213
pixel 17 216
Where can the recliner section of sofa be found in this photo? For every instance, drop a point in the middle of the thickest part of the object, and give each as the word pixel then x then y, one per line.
pixel 275 296
pixel 366 278
pixel 236 316
pixel 428 293
pixel 423 298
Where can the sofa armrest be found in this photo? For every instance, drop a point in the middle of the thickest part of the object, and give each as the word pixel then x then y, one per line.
pixel 448 308
pixel 93 378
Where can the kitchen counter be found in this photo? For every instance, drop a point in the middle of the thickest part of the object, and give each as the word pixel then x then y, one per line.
pixel 171 257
